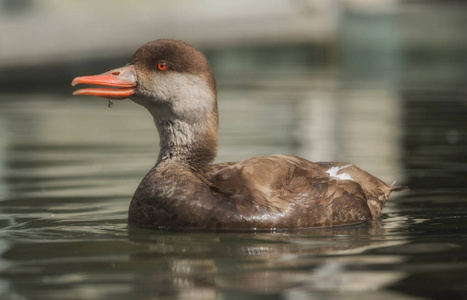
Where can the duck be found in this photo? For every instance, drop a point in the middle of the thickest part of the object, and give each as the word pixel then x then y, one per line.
pixel 187 190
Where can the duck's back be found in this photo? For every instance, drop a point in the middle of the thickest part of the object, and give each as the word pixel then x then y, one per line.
pixel 283 191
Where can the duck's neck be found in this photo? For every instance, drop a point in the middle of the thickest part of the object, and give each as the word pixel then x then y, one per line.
pixel 192 143
pixel 184 108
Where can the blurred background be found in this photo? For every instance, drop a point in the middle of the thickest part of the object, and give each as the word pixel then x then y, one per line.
pixel 349 80
pixel 378 83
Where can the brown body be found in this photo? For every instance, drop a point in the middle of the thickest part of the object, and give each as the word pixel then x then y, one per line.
pixel 272 192
pixel 185 189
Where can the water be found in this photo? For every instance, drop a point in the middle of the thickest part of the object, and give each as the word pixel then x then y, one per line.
pixel 69 166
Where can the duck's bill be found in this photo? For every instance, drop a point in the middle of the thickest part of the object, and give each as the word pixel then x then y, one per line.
pixel 120 83
pixel 119 93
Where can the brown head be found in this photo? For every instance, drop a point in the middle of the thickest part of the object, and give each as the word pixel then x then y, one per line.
pixel 174 82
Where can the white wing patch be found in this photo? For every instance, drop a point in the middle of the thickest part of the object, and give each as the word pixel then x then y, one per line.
pixel 344 176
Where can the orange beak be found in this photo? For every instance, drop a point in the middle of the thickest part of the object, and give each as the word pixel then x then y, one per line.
pixel 124 79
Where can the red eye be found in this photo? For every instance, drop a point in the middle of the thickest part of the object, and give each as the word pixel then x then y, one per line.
pixel 162 66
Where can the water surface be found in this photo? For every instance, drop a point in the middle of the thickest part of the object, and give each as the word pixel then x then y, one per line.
pixel 69 166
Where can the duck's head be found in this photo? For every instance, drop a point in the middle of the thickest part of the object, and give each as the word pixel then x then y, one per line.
pixel 161 73
pixel 173 80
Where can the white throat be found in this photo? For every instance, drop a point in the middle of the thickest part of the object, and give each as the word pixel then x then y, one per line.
pixel 185 112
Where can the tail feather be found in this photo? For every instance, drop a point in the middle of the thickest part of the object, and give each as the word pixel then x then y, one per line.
pixel 397 188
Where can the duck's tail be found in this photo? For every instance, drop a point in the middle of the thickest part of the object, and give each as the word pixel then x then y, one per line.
pixel 377 200
pixel 397 188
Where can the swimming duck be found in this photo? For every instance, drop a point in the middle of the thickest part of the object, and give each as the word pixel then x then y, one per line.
pixel 185 189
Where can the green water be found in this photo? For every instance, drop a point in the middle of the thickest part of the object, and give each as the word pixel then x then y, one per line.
pixel 69 166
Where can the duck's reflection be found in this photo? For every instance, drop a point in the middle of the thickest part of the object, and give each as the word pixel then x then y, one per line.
pixel 282 264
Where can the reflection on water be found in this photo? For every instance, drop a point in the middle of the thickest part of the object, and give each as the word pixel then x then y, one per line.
pixel 361 126
pixel 69 167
